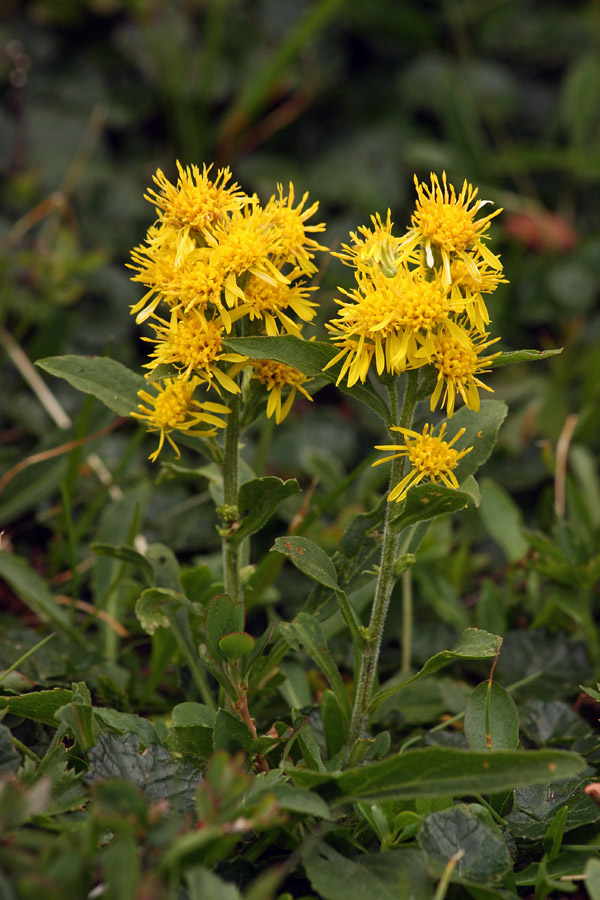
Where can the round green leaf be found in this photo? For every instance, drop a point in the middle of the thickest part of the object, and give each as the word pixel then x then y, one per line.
pixel 236 644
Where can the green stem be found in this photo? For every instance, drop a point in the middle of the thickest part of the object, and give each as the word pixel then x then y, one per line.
pixel 229 512
pixel 407 620
pixel 386 578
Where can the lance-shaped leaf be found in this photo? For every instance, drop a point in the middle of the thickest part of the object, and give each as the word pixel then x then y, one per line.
pixel 40 706
pixel 521 356
pixel 473 643
pixel 309 558
pixel 257 501
pixel 442 772
pixel 305 631
pixel 491 719
pixel 108 380
pixel 427 501
pixel 308 357
pixel 481 429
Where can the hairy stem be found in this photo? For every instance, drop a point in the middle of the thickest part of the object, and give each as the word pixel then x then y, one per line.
pixel 229 511
pixel 386 578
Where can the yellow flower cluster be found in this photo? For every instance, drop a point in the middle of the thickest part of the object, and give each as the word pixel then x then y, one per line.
pixel 418 298
pixel 214 257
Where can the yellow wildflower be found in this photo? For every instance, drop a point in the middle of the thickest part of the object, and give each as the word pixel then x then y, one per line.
pixel 173 408
pixel 458 366
pixel 471 288
pixel 275 376
pixel 269 302
pixel 193 344
pixel 430 457
pixel 445 223
pixel 295 244
pixel 376 247
pixel 196 202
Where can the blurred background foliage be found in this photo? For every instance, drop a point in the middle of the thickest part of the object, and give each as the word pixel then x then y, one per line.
pixel 349 99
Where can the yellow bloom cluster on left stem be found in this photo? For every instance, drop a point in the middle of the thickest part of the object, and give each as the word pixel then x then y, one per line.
pixel 216 263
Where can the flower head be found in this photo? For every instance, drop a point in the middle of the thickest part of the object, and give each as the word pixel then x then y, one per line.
pixel 431 458
pixel 276 376
pixel 458 363
pixel 376 247
pixel 196 202
pixel 295 244
pixel 194 345
pixel 272 303
pixel 445 223
pixel 173 408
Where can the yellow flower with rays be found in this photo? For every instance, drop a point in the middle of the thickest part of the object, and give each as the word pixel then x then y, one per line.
pixel 173 408
pixel 376 247
pixel 444 223
pixel 180 275
pixel 295 244
pixel 197 201
pixel 458 366
pixel 194 345
pixel 431 458
pixel 276 376
pixel 272 302
pixel 244 245
pixel 471 288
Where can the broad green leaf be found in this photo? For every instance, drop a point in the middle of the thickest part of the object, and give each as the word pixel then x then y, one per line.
pixel 309 558
pixel 491 719
pixel 223 616
pixel 308 357
pixel 153 605
pixel 481 429
pixel 333 723
pixel 536 806
pixel 443 772
pixel 192 732
pixel 547 722
pixel 10 760
pixel 205 885
pixel 368 876
pixel 236 644
pixel 230 733
pixel 485 857
pixel 127 723
pixel 78 716
pixel 125 554
pixel 521 356
pixel 33 590
pixel 306 631
pixel 473 643
pixel 257 501
pixel 40 706
pixel 503 519
pixel 426 501
pixel 189 713
pixel 154 771
pixel 108 380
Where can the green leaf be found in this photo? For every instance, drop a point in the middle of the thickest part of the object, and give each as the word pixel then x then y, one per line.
pixel 125 554
pixel 592 878
pixel 333 723
pixel 306 631
pixel 473 643
pixel 236 644
pixel 205 885
pixel 308 357
pixel 443 772
pixel 502 519
pixel 223 616
pixel 443 835
pixel 491 719
pixel 78 716
pixel 521 356
pixel 40 706
pixel 257 501
pixel 427 501
pixel 536 806
pixel 192 732
pixel 384 876
pixel 152 607
pixel 108 380
pixel 9 758
pixel 230 733
pixel 309 558
pixel 481 429
pixel 33 590
pixel 127 723
pixel 155 772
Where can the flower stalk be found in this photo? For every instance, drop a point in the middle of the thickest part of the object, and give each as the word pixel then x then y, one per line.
pixel 229 511
pixel 387 577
